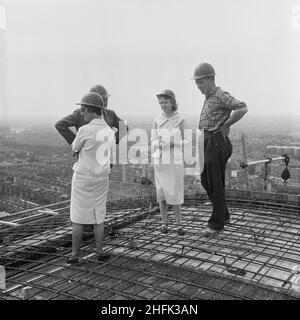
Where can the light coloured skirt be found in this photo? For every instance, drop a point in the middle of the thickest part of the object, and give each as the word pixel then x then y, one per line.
pixel 88 199
pixel 169 183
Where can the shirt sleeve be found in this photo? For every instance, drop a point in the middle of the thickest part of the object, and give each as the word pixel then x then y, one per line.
pixel 112 146
pixel 186 138
pixel 116 121
pixel 229 101
pixel 63 126
pixel 78 141
pixel 154 136
pixel 116 124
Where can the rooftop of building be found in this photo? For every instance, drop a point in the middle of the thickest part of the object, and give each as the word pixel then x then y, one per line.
pixel 256 257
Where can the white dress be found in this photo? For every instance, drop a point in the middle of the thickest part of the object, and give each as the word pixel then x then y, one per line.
pixel 168 163
pixel 90 180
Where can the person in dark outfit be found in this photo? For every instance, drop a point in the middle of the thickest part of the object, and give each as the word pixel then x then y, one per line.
pixel 219 112
pixel 76 118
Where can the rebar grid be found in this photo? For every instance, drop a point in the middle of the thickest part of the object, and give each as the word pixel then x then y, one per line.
pixel 252 259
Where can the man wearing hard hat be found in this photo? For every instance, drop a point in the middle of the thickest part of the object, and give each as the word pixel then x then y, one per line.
pixel 220 111
pixel 76 118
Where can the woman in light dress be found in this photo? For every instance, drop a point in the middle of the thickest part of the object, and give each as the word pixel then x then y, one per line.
pixel 167 144
pixel 94 146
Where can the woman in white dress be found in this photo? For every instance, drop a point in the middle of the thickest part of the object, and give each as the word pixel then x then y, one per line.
pixel 94 146
pixel 167 143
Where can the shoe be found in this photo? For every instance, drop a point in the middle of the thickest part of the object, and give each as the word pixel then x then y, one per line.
pixel 227 221
pixel 72 260
pixel 133 244
pixel 180 232
pixel 103 256
pixel 210 232
pixel 164 229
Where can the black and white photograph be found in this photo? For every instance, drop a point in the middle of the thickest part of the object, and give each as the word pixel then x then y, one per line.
pixel 149 154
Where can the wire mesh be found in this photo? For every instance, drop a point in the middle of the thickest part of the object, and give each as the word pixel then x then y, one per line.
pixel 254 258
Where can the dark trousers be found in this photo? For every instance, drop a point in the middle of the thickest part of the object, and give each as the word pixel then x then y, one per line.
pixel 217 150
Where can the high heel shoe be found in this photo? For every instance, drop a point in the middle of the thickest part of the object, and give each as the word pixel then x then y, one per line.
pixel 164 229
pixel 73 260
pixel 180 232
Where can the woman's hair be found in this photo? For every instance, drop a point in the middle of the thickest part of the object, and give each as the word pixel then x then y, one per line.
pixel 97 110
pixel 174 103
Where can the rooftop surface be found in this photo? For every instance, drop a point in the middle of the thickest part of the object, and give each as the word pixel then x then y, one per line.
pixel 256 257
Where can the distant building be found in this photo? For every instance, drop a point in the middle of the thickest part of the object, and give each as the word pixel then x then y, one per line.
pixel 282 188
pixel 234 173
pixel 3 214
pixel 4 130
pixel 292 150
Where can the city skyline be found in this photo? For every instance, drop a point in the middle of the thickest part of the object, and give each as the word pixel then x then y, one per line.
pixel 56 50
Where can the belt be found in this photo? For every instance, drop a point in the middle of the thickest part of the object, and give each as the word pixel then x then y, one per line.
pixel 211 132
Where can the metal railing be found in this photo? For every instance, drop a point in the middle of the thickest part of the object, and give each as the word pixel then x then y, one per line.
pixel 266 162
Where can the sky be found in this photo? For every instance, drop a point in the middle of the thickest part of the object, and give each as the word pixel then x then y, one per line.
pixel 53 51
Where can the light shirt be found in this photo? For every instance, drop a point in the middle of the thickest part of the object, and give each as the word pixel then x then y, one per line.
pixel 166 128
pixel 95 143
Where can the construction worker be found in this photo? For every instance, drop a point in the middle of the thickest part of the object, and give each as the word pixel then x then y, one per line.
pixel 220 111
pixel 76 118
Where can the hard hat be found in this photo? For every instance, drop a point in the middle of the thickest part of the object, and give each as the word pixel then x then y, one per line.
pixel 169 93
pixel 92 99
pixel 100 90
pixel 204 70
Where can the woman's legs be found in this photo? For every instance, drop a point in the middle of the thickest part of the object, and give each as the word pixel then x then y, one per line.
pixel 77 230
pixel 163 211
pixel 99 236
pixel 177 211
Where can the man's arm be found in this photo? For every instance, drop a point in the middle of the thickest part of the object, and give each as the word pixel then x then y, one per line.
pixel 239 109
pixel 63 125
pixel 235 116
pixel 78 141
pixel 114 122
